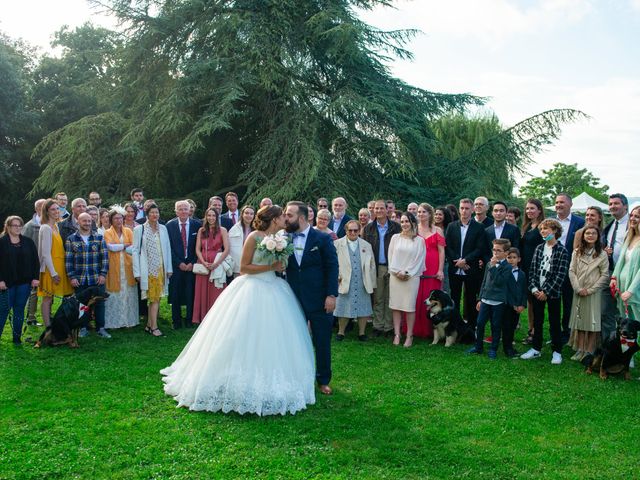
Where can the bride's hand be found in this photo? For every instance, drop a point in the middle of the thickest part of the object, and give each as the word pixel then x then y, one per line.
pixel 278 266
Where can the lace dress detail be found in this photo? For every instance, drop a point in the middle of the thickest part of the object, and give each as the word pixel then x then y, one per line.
pixel 251 354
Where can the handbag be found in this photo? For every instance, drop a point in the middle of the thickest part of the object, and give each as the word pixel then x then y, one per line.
pixel 200 269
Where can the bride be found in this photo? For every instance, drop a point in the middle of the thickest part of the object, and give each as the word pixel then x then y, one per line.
pixel 252 352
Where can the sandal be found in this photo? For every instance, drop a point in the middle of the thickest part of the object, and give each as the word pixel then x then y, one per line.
pixel 148 329
pixel 396 340
pixel 156 332
pixel 408 341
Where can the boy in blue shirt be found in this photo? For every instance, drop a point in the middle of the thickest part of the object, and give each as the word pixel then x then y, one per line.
pixel 493 297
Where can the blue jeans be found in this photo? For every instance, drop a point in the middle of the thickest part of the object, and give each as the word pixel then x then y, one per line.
pixel 98 308
pixel 14 298
pixel 493 313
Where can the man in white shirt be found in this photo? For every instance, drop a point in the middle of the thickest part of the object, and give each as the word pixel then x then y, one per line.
pixel 612 240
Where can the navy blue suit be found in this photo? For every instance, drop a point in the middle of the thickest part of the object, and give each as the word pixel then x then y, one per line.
pixel 226 221
pixel 341 231
pixel 312 281
pixel 182 284
pixel 509 232
pixel 567 290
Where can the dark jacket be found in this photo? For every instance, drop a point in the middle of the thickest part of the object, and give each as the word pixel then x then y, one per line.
pixel 68 228
pixel 371 235
pixel 517 291
pixel 494 284
pixel 473 250
pixel 575 224
pixel 226 221
pixel 341 231
pixel 509 232
pixel 182 284
pixel 18 265
pixel 558 272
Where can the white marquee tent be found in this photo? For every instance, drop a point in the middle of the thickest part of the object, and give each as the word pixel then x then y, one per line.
pixel 584 201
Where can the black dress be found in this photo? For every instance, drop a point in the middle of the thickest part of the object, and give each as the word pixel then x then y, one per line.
pixel 530 240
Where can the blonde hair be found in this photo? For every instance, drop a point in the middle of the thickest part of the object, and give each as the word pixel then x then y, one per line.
pixel 8 221
pixel 631 232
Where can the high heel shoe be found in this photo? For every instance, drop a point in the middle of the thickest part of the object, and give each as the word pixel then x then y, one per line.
pixel 396 340
pixel 408 341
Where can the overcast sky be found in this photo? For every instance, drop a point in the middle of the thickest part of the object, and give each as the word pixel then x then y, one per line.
pixel 528 56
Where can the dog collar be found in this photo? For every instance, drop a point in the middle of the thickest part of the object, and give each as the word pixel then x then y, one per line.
pixel 627 343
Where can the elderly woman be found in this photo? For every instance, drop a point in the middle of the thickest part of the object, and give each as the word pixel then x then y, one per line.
pixel 592 218
pixel 152 266
pixel 356 280
pixel 238 234
pixel 626 276
pixel 121 308
pixel 53 274
pixel 589 274
pixel 406 257
pixel 19 273
pixel 364 218
pixel 323 217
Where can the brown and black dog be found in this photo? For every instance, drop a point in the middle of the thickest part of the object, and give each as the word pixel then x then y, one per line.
pixel 614 357
pixel 69 317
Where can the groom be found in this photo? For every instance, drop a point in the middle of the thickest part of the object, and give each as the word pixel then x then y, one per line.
pixel 312 273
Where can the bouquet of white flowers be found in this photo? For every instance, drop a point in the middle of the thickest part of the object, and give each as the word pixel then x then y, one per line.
pixel 276 247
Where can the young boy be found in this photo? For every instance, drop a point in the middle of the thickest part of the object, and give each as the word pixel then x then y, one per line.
pixel 493 297
pixel 516 302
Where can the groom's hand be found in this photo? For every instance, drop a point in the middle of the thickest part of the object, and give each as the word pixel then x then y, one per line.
pixel 330 304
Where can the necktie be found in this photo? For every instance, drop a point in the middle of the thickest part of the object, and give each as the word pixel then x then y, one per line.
pixel 183 234
pixel 233 218
pixel 613 237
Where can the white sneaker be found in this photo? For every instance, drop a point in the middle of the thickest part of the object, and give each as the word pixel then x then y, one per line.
pixel 83 332
pixel 556 358
pixel 531 353
pixel 103 333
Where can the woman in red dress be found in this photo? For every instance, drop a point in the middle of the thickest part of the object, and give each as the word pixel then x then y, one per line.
pixel 431 278
pixel 212 239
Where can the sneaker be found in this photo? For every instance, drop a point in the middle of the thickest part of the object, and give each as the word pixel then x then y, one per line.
pixel 556 358
pixel 362 338
pixel 492 354
pixel 632 364
pixel 529 354
pixel 489 339
pixel 339 337
pixel 34 323
pixel 83 332
pixel 103 333
pixel 474 351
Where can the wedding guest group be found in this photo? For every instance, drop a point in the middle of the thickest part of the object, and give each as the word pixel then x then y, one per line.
pixel 494 263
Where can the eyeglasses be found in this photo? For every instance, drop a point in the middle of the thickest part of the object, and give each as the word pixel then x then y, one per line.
pixel 356 230
pixel 323 206
pixel 16 225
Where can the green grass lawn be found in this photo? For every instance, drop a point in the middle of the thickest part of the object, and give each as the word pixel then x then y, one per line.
pixel 424 412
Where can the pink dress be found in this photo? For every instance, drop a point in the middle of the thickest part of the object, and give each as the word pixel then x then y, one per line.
pixel 206 293
pixel 423 326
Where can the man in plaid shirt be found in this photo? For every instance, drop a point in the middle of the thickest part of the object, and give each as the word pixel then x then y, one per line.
pixel 87 263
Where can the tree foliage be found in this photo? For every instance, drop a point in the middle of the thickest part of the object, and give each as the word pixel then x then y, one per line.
pixel 567 178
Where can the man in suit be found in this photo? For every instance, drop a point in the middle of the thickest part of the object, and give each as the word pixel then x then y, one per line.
pixel 312 273
pixel 232 213
pixel 215 202
pixel 340 217
pixel 466 247
pixel 570 224
pixel 182 232
pixel 137 200
pixel 500 228
pixel 481 207
pixel 70 225
pixel 378 233
pixel 612 240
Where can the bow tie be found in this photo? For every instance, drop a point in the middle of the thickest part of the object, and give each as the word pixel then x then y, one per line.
pixel 515 270
pixel 296 235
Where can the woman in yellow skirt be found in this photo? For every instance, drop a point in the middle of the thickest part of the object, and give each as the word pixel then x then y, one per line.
pixel 53 275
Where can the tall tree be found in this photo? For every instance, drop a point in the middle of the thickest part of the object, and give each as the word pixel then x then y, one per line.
pixel 567 178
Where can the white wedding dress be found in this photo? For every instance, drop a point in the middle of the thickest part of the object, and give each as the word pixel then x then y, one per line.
pixel 252 353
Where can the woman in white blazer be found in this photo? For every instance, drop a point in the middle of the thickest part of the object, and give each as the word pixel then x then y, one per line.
pixel 356 280
pixel 238 233
pixel 152 264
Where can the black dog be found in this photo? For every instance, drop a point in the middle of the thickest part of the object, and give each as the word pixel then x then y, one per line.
pixel 615 355
pixel 69 317
pixel 447 321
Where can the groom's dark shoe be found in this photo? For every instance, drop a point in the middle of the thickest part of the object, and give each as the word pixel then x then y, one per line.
pixel 325 389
